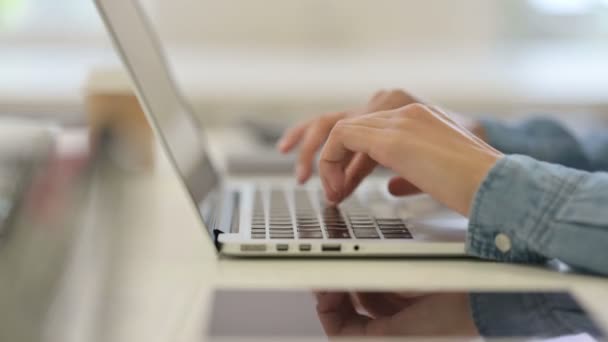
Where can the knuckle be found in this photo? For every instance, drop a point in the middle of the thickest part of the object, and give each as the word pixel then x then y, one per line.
pixel 418 107
pixel 415 110
pixel 398 93
pixel 320 121
pixel 329 120
pixel 379 94
pixel 340 126
pixel 306 151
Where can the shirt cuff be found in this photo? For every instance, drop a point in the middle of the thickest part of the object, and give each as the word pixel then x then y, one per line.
pixel 510 215
pixel 529 314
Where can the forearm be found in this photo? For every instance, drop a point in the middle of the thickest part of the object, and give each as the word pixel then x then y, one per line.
pixel 530 211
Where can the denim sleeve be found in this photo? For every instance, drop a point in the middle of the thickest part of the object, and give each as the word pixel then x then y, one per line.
pixel 547 315
pixel 548 140
pixel 530 211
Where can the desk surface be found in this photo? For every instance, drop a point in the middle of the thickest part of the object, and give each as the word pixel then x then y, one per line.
pixel 139 268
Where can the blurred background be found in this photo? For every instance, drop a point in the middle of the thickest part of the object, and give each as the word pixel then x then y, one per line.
pixel 287 58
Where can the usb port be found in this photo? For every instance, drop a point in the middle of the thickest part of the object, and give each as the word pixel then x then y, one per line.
pixel 305 248
pixel 331 248
pixel 282 247
pixel 253 248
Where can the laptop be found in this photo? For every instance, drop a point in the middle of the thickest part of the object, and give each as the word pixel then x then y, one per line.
pixel 266 216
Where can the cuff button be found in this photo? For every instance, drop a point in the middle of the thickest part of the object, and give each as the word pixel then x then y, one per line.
pixel 503 243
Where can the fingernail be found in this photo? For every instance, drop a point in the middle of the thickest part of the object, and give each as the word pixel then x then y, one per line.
pixel 300 173
pixel 280 144
pixel 332 198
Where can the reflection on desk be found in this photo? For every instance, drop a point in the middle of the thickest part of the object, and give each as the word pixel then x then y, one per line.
pixel 368 315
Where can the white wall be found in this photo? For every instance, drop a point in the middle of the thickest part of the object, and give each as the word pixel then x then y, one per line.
pixel 285 57
pixel 334 23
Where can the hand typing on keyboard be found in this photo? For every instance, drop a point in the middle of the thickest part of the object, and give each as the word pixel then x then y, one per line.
pixel 420 144
pixel 311 135
pixel 373 314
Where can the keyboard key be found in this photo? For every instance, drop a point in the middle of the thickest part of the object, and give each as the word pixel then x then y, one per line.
pixel 367 221
pixel 309 230
pixel 310 235
pixel 307 221
pixel 398 236
pixel 281 233
pixel 281 230
pixel 338 234
pixel 364 226
pixel 258 219
pixel 390 223
pixel 367 236
pixel 308 225
pixel 281 224
pixel 366 233
pixel 395 230
pixel 335 227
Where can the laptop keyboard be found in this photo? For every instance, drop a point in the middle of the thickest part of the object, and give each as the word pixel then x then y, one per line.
pixel 307 222
pixel 279 218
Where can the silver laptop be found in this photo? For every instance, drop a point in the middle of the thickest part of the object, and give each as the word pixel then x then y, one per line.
pixel 267 216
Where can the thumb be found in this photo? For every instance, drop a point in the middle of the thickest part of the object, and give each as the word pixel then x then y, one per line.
pixel 398 186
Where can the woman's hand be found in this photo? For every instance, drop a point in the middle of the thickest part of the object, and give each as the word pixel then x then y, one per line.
pixel 310 135
pixel 422 145
pixel 444 315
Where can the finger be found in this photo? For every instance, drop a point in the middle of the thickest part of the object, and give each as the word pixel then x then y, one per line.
pixel 315 136
pixel 338 315
pixel 378 304
pixel 359 168
pixel 378 95
pixel 310 144
pixel 398 186
pixel 291 138
pixel 346 139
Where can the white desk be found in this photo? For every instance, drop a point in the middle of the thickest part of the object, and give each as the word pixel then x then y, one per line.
pixel 141 268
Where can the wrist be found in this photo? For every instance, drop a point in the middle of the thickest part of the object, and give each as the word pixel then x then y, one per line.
pixel 484 167
pixel 478 129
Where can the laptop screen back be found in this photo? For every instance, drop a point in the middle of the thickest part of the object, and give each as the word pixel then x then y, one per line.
pixel 158 93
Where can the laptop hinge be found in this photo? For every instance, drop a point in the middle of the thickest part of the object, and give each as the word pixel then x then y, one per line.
pixel 216 239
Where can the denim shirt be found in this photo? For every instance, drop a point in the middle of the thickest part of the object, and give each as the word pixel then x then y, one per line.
pixel 544 315
pixel 547 199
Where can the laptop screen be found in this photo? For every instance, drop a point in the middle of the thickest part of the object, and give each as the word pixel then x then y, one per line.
pixel 158 93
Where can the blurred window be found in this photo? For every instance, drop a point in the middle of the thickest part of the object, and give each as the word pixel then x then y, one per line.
pixel 567 7
pixel 48 19
pixel 560 20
